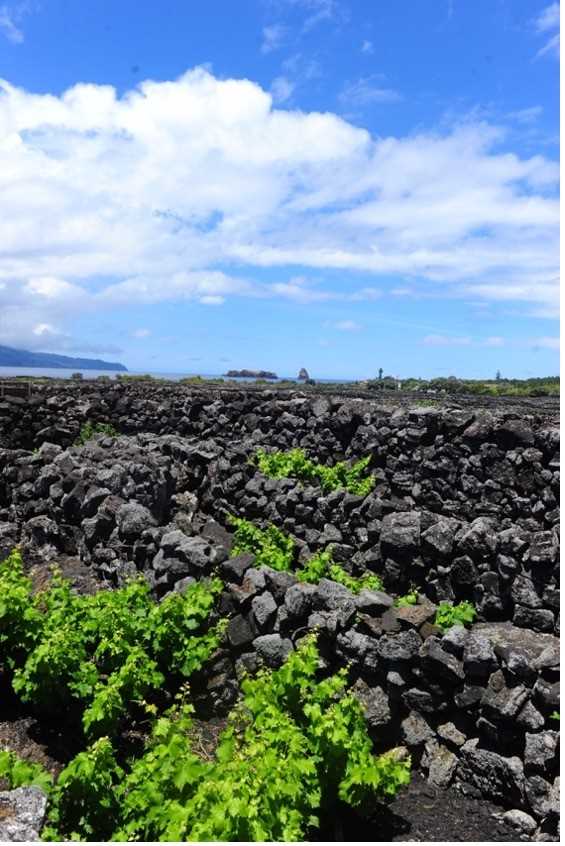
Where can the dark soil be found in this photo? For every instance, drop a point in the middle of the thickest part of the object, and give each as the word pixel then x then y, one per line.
pixel 421 812
pixel 80 575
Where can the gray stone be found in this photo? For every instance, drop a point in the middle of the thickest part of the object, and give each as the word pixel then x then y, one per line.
pixel 330 595
pixel 539 619
pixel 506 638
pixel 520 821
pixel 273 649
pixel 359 649
pixel 22 814
pixel 524 593
pixel 403 646
pixel 264 610
pixel 501 702
pixel 530 718
pixel 95 496
pixel 414 616
pixel 373 602
pixel 437 541
pixel 548 659
pixel 414 730
pixel 442 764
pixel 479 539
pixel 450 733
pixel 542 796
pixel 479 659
pixel 241 631
pixel 541 750
pixel 544 549
pixel 441 663
pixel 374 702
pixel 419 700
pixel 234 569
pixel 547 694
pixel 133 518
pixel 496 777
pixel 454 640
pixel 278 582
pixel 400 535
pixel 298 600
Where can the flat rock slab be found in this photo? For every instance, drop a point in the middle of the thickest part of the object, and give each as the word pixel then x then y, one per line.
pixel 505 636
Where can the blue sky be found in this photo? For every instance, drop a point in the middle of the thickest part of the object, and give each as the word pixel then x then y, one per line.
pixel 336 184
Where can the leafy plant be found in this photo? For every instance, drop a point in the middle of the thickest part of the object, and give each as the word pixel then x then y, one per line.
pixel 555 715
pixel 366 581
pixel 20 622
pixel 101 655
pixel 295 464
pixel 84 803
pixel 21 773
pixel 322 566
pixel 293 747
pixel 317 567
pixel 90 430
pixel 410 598
pixel 271 547
pixel 448 615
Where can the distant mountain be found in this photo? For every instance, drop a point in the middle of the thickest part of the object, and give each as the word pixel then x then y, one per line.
pixel 9 357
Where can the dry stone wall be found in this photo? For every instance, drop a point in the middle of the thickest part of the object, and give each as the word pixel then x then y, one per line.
pixel 465 507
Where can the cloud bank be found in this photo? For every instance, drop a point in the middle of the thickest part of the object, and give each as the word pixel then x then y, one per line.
pixel 162 189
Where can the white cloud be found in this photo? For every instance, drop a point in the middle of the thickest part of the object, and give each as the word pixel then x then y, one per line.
pixel 200 172
pixel 212 300
pixel 545 343
pixel 141 333
pixel 446 341
pixel 318 11
pixel 545 23
pixel 8 25
pixel 494 341
pixel 548 19
pixel 529 115
pixel 367 47
pixel 365 294
pixel 347 326
pixel 367 90
pixel 44 329
pixel 282 89
pixel 273 36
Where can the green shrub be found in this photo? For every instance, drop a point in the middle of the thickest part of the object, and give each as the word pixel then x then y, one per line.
pixel 90 430
pixel 84 803
pixel 448 615
pixel 273 548
pixel 18 772
pixel 295 464
pixel 293 748
pixel 317 567
pixel 100 655
pixel 270 546
pixel 322 566
pixel 20 621
pixel 367 581
pixel 410 598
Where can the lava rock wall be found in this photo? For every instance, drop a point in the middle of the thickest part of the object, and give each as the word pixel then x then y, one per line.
pixel 465 507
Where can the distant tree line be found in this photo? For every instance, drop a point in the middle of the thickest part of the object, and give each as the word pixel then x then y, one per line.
pixel 544 386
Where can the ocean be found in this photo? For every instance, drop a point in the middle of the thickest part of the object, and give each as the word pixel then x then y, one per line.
pixel 63 373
